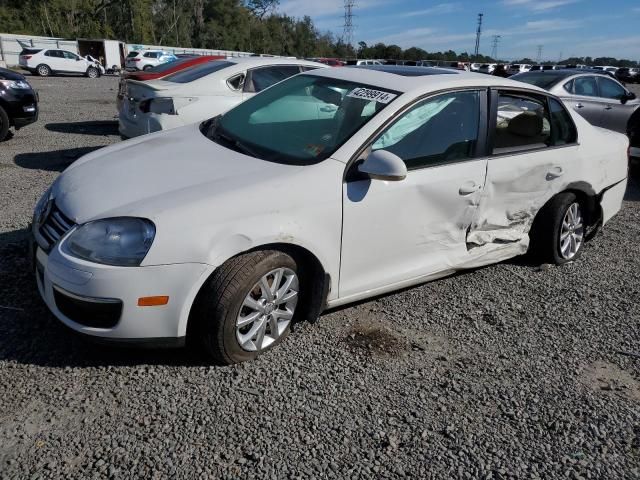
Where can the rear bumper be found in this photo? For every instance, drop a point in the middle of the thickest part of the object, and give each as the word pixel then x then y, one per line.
pixel 131 126
pixel 612 198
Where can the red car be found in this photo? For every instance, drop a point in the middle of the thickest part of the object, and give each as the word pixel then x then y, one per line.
pixel 161 71
pixel 332 62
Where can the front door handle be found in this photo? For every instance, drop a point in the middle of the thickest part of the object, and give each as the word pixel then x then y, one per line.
pixel 555 172
pixel 608 107
pixel 469 187
pixel 579 105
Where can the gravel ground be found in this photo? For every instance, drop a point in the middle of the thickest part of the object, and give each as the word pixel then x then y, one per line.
pixel 510 371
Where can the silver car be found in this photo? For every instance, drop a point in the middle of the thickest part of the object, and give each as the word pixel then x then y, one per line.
pixel 603 101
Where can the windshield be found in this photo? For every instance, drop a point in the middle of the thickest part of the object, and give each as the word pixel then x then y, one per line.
pixel 199 71
pixel 300 121
pixel 539 79
pixel 170 65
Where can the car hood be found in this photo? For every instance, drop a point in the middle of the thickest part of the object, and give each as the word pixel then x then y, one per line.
pixel 157 173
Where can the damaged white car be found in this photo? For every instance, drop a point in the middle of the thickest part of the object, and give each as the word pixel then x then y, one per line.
pixel 330 187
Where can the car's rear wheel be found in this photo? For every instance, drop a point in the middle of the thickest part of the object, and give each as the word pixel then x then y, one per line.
pixel 147 67
pixel 43 70
pixel 559 232
pixel 247 306
pixel 93 72
pixel 4 124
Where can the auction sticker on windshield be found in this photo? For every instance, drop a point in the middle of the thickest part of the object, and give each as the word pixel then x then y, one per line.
pixel 375 95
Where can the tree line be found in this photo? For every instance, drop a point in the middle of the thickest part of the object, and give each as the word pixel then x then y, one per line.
pixel 244 25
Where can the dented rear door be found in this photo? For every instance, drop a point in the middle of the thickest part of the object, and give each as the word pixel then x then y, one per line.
pixel 524 171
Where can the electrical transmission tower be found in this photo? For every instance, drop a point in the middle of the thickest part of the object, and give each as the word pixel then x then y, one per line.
pixel 347 32
pixel 539 56
pixel 494 46
pixel 478 33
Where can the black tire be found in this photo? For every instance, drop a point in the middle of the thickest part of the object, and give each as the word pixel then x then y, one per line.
pixel 43 70
pixel 546 230
pixel 147 67
pixel 4 124
pixel 93 72
pixel 220 301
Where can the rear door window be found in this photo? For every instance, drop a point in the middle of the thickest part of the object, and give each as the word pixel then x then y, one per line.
pixel 522 123
pixel 563 130
pixel 585 86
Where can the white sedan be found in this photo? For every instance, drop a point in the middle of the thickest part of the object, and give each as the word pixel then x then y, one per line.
pixel 230 230
pixel 200 92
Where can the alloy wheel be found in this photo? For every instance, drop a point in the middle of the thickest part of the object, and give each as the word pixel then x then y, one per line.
pixel 571 232
pixel 267 310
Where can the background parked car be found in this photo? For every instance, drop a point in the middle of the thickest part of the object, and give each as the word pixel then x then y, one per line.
pixel 18 102
pixel 160 71
pixel 516 68
pixel 488 68
pixel 50 61
pixel 363 62
pixel 147 59
pixel 475 67
pixel 202 92
pixel 602 100
pixel 500 71
pixel 628 75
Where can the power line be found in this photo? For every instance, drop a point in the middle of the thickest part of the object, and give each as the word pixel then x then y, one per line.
pixel 478 34
pixel 347 32
pixel 494 46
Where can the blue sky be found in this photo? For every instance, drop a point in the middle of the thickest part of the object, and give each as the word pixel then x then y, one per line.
pixel 563 27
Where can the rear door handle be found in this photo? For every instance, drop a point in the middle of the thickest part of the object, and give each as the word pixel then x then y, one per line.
pixel 608 107
pixel 469 187
pixel 555 172
pixel 579 105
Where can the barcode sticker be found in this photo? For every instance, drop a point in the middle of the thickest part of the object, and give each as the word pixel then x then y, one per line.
pixel 374 95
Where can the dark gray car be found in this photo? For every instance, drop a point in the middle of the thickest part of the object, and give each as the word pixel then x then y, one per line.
pixel 603 101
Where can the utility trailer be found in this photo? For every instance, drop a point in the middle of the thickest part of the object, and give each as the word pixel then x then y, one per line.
pixel 110 53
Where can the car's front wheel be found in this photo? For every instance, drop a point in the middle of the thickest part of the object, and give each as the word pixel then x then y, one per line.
pixel 248 305
pixel 43 70
pixel 93 72
pixel 559 232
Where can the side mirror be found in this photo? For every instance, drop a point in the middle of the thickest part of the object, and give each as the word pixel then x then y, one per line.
pixel 626 97
pixel 383 165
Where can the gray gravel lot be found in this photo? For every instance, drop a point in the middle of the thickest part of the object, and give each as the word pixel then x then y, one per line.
pixel 509 371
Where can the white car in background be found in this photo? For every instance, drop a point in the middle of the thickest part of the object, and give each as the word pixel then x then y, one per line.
pixel 231 230
pixel 147 59
pixel 48 61
pixel 201 92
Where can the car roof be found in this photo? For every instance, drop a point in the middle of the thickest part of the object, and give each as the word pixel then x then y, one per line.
pixel 259 61
pixel 566 73
pixel 437 79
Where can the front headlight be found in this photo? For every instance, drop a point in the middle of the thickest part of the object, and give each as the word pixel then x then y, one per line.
pixel 15 84
pixel 122 242
pixel 40 206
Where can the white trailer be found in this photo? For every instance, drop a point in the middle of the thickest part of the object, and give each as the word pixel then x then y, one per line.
pixel 110 53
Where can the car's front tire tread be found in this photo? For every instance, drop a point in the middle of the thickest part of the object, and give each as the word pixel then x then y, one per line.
pixel 219 296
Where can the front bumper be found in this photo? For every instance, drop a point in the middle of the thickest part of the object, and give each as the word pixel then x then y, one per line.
pixel 102 301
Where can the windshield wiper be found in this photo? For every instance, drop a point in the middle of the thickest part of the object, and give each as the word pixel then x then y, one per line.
pixel 234 144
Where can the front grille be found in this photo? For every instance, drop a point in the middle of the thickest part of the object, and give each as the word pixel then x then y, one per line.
pixel 90 312
pixel 55 226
